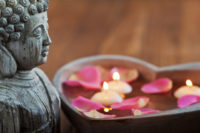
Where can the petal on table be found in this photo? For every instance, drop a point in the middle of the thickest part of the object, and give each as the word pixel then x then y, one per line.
pixel 89 77
pixel 96 114
pixel 136 102
pixel 188 100
pixel 144 111
pixel 127 75
pixel 162 85
pixel 84 104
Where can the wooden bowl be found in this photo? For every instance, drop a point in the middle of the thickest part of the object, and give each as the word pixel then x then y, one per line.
pixel 170 120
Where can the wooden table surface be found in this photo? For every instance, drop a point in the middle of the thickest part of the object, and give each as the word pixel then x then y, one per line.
pixel 163 32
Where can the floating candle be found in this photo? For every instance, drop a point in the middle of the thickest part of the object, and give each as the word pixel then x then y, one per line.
pixel 127 75
pixel 107 96
pixel 119 86
pixel 189 89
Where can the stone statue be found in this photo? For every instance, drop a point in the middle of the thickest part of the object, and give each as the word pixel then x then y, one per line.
pixel 28 101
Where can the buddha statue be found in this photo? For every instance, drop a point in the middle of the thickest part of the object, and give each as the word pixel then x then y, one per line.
pixel 28 101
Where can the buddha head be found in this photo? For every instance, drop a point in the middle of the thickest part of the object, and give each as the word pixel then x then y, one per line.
pixel 24 39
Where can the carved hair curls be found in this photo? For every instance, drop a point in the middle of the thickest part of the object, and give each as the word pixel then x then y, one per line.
pixel 15 13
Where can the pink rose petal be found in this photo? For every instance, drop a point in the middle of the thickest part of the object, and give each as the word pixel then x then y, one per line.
pixel 84 104
pixel 89 77
pixel 127 75
pixel 162 85
pixel 144 111
pixel 136 102
pixel 96 114
pixel 188 100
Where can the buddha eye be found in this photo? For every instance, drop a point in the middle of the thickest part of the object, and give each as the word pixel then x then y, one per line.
pixel 37 33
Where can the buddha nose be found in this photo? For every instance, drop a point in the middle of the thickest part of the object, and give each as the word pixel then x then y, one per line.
pixel 47 40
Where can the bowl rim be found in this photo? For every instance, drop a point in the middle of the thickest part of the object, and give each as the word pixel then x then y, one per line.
pixel 176 111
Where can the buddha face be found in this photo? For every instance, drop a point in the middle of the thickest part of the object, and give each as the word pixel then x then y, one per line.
pixel 32 48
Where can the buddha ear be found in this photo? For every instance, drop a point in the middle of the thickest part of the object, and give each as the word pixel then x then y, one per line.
pixel 8 65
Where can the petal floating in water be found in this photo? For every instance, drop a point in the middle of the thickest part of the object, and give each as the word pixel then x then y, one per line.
pixel 136 102
pixel 162 85
pixel 188 100
pixel 89 77
pixel 86 105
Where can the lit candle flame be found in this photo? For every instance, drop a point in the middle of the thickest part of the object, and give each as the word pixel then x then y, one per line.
pixel 122 95
pixel 116 76
pixel 107 109
pixel 105 86
pixel 189 83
